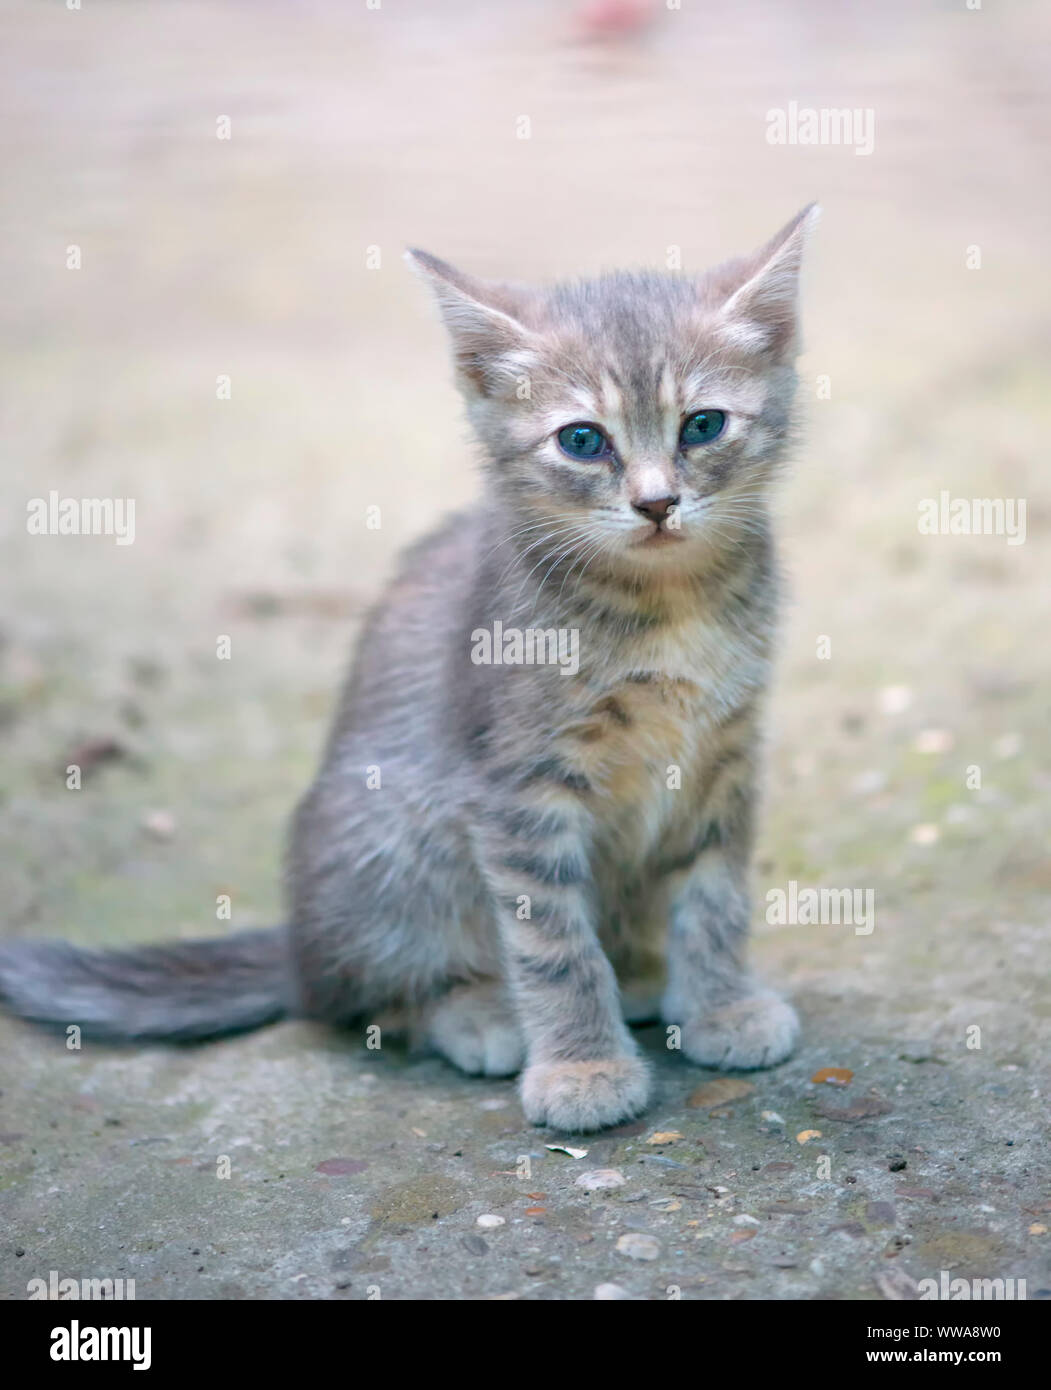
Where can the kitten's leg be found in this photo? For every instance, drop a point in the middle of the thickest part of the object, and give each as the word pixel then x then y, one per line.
pixel 583 1070
pixel 727 1018
pixel 475 1027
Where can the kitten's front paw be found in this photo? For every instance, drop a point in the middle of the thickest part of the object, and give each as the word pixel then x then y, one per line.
pixel 757 1031
pixel 577 1096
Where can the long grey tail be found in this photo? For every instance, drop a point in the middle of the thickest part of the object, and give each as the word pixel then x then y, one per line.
pixel 181 991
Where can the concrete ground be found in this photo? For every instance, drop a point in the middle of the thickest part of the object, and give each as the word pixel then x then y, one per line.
pixel 908 753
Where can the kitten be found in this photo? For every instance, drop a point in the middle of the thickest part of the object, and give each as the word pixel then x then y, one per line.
pixel 522 848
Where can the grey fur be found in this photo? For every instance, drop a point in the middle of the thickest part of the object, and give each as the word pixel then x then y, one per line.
pixel 185 991
pixel 503 787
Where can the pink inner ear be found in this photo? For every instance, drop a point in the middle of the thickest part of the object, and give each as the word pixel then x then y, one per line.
pixel 479 317
pixel 762 311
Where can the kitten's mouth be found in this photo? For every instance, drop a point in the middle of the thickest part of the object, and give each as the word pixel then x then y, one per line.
pixel 658 536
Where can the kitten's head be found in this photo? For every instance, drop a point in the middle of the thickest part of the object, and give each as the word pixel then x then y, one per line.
pixel 639 416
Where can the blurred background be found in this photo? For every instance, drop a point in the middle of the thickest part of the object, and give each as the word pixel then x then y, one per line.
pixel 273 258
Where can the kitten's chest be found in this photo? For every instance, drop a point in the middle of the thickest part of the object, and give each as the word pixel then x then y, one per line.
pixel 641 733
pixel 649 739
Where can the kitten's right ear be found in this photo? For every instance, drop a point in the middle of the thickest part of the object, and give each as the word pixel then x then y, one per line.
pixel 481 318
pixel 762 310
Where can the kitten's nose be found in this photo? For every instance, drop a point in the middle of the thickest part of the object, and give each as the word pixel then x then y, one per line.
pixel 656 508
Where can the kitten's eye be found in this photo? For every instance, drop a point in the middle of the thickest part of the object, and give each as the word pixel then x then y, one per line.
pixel 702 428
pixel 583 442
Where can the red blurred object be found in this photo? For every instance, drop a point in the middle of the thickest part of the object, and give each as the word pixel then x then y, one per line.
pixel 608 18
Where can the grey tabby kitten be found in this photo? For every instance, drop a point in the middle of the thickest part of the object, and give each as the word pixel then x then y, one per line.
pixel 523 856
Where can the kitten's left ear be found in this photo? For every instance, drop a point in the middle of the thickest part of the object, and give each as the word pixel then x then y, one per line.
pixel 482 319
pixel 763 310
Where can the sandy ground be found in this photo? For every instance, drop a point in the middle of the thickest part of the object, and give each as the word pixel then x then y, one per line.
pixel 352 129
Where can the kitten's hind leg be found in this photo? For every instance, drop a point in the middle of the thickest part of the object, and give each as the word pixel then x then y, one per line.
pixel 474 1027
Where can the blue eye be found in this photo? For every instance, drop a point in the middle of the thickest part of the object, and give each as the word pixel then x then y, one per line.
pixel 702 428
pixel 583 442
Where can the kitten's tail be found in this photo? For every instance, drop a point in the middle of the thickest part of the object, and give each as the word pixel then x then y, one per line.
pixel 180 992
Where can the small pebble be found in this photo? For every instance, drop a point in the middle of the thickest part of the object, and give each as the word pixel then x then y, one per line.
pixel 490 1221
pixel 638 1246
pixel 933 741
pixel 609 1292
pixel 868 783
pixel 894 699
pixel 926 834
pixel 597 1179
pixel 159 824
